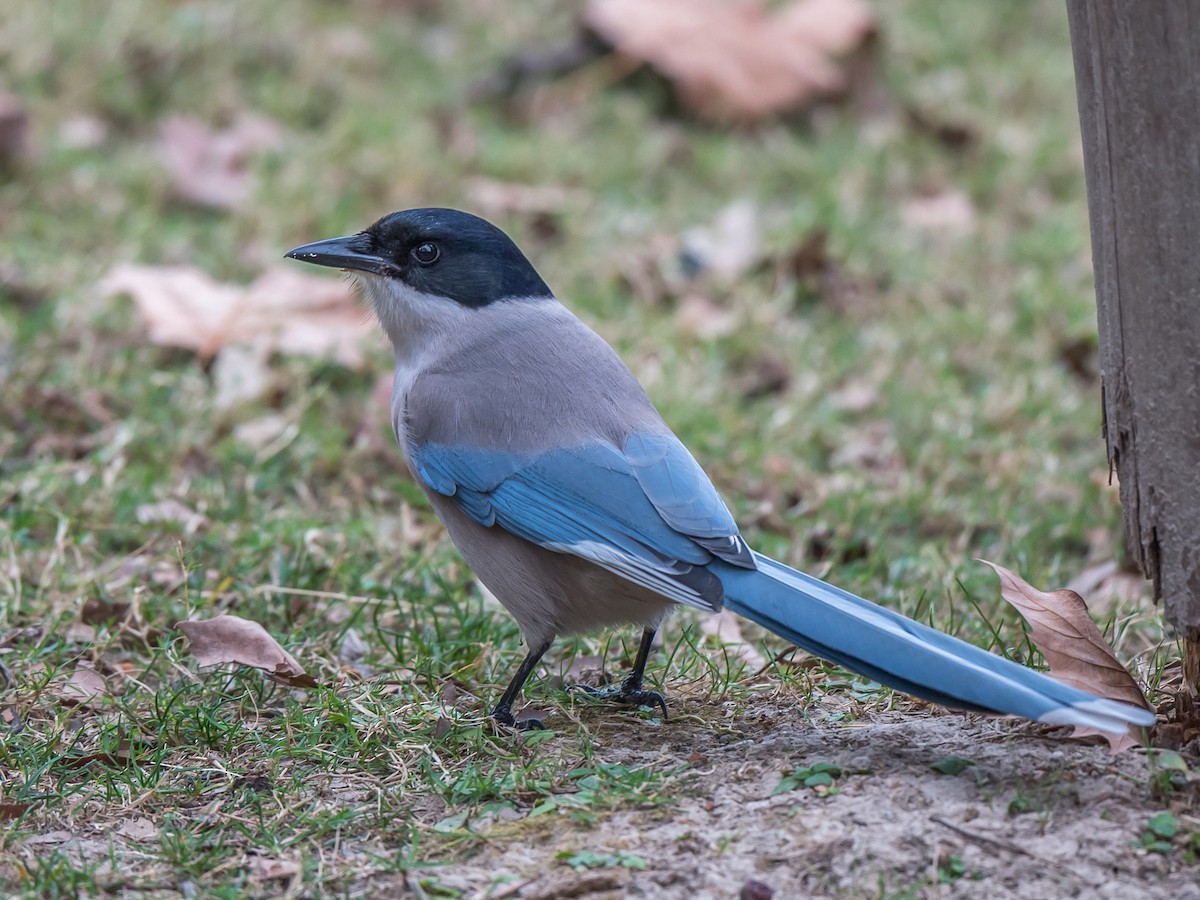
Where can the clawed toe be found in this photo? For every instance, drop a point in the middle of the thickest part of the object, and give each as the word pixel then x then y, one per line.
pixel 624 694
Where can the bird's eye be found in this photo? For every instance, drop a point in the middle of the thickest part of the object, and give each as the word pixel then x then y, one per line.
pixel 426 254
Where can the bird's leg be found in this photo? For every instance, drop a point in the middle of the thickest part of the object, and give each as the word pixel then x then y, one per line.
pixel 630 688
pixel 503 712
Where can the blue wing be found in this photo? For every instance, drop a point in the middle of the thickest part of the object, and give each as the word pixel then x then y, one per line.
pixel 646 512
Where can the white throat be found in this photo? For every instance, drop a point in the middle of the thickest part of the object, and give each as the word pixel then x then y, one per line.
pixel 418 325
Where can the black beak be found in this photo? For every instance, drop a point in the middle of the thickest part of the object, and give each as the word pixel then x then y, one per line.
pixel 350 252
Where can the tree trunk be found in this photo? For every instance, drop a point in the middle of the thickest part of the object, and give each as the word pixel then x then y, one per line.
pixel 1137 70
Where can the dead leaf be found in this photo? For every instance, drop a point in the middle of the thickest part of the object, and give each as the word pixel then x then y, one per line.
pixel 1074 648
pixel 765 375
pixel 211 167
pixel 282 311
pixel 272 430
pixel 726 628
pixel 10 809
pixel 174 512
pixel 729 246
pixel 704 319
pixel 263 868
pixel 14 129
pixel 949 212
pixel 84 686
pixel 240 373
pixel 96 611
pixel 586 669
pixel 82 132
pixel 232 639
pixel 738 61
pixel 139 829
pixel 496 198
pixel 126 751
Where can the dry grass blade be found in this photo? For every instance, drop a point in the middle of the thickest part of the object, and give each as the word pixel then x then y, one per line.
pixel 1074 648
pixel 232 639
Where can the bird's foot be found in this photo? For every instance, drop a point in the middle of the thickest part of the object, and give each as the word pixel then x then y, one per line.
pixel 624 693
pixel 504 716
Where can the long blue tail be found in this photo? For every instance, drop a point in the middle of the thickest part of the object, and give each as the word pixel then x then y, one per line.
pixel 906 655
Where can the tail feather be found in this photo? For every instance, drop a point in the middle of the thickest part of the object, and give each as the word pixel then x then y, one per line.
pixel 906 655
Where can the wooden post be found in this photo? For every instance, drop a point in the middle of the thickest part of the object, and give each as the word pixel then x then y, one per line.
pixel 1137 70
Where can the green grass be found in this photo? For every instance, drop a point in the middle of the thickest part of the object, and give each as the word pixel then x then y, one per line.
pixel 979 439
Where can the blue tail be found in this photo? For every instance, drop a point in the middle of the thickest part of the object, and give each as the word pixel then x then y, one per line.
pixel 906 655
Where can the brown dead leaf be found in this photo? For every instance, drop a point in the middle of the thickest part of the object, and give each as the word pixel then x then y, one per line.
pixel 211 167
pixel 126 752
pixel 14 129
pixel 232 639
pixel 10 809
pixel 282 311
pixel 726 628
pixel 738 61
pixel 96 611
pixel 85 685
pixel 1075 650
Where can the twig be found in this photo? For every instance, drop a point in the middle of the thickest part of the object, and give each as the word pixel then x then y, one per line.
pixel 999 844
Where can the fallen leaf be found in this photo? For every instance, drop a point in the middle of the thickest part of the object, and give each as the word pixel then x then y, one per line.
pixel 585 669
pixel 726 628
pixel 125 753
pixel 49 837
pixel 139 829
pixel 753 889
pixel 96 611
pixel 14 129
pixel 728 246
pixel 10 809
pixel 232 639
pixel 495 198
pixel 273 429
pixel 738 61
pixel 83 686
pixel 765 375
pixel 240 373
pixel 1074 648
pixel 263 868
pixel 704 319
pixel 950 212
pixel 282 311
pixel 173 512
pixel 353 648
pixel 211 167
pixel 82 132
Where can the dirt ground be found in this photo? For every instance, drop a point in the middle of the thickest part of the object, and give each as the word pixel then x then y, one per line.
pixel 1034 817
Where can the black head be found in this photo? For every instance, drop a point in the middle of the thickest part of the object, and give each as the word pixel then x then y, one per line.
pixel 442 252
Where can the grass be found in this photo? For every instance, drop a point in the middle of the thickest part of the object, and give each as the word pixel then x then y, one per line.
pixel 978 435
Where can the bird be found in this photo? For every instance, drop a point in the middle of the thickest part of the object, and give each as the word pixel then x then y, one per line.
pixel 577 506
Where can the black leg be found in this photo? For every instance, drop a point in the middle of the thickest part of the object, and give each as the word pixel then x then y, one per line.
pixel 630 690
pixel 503 712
